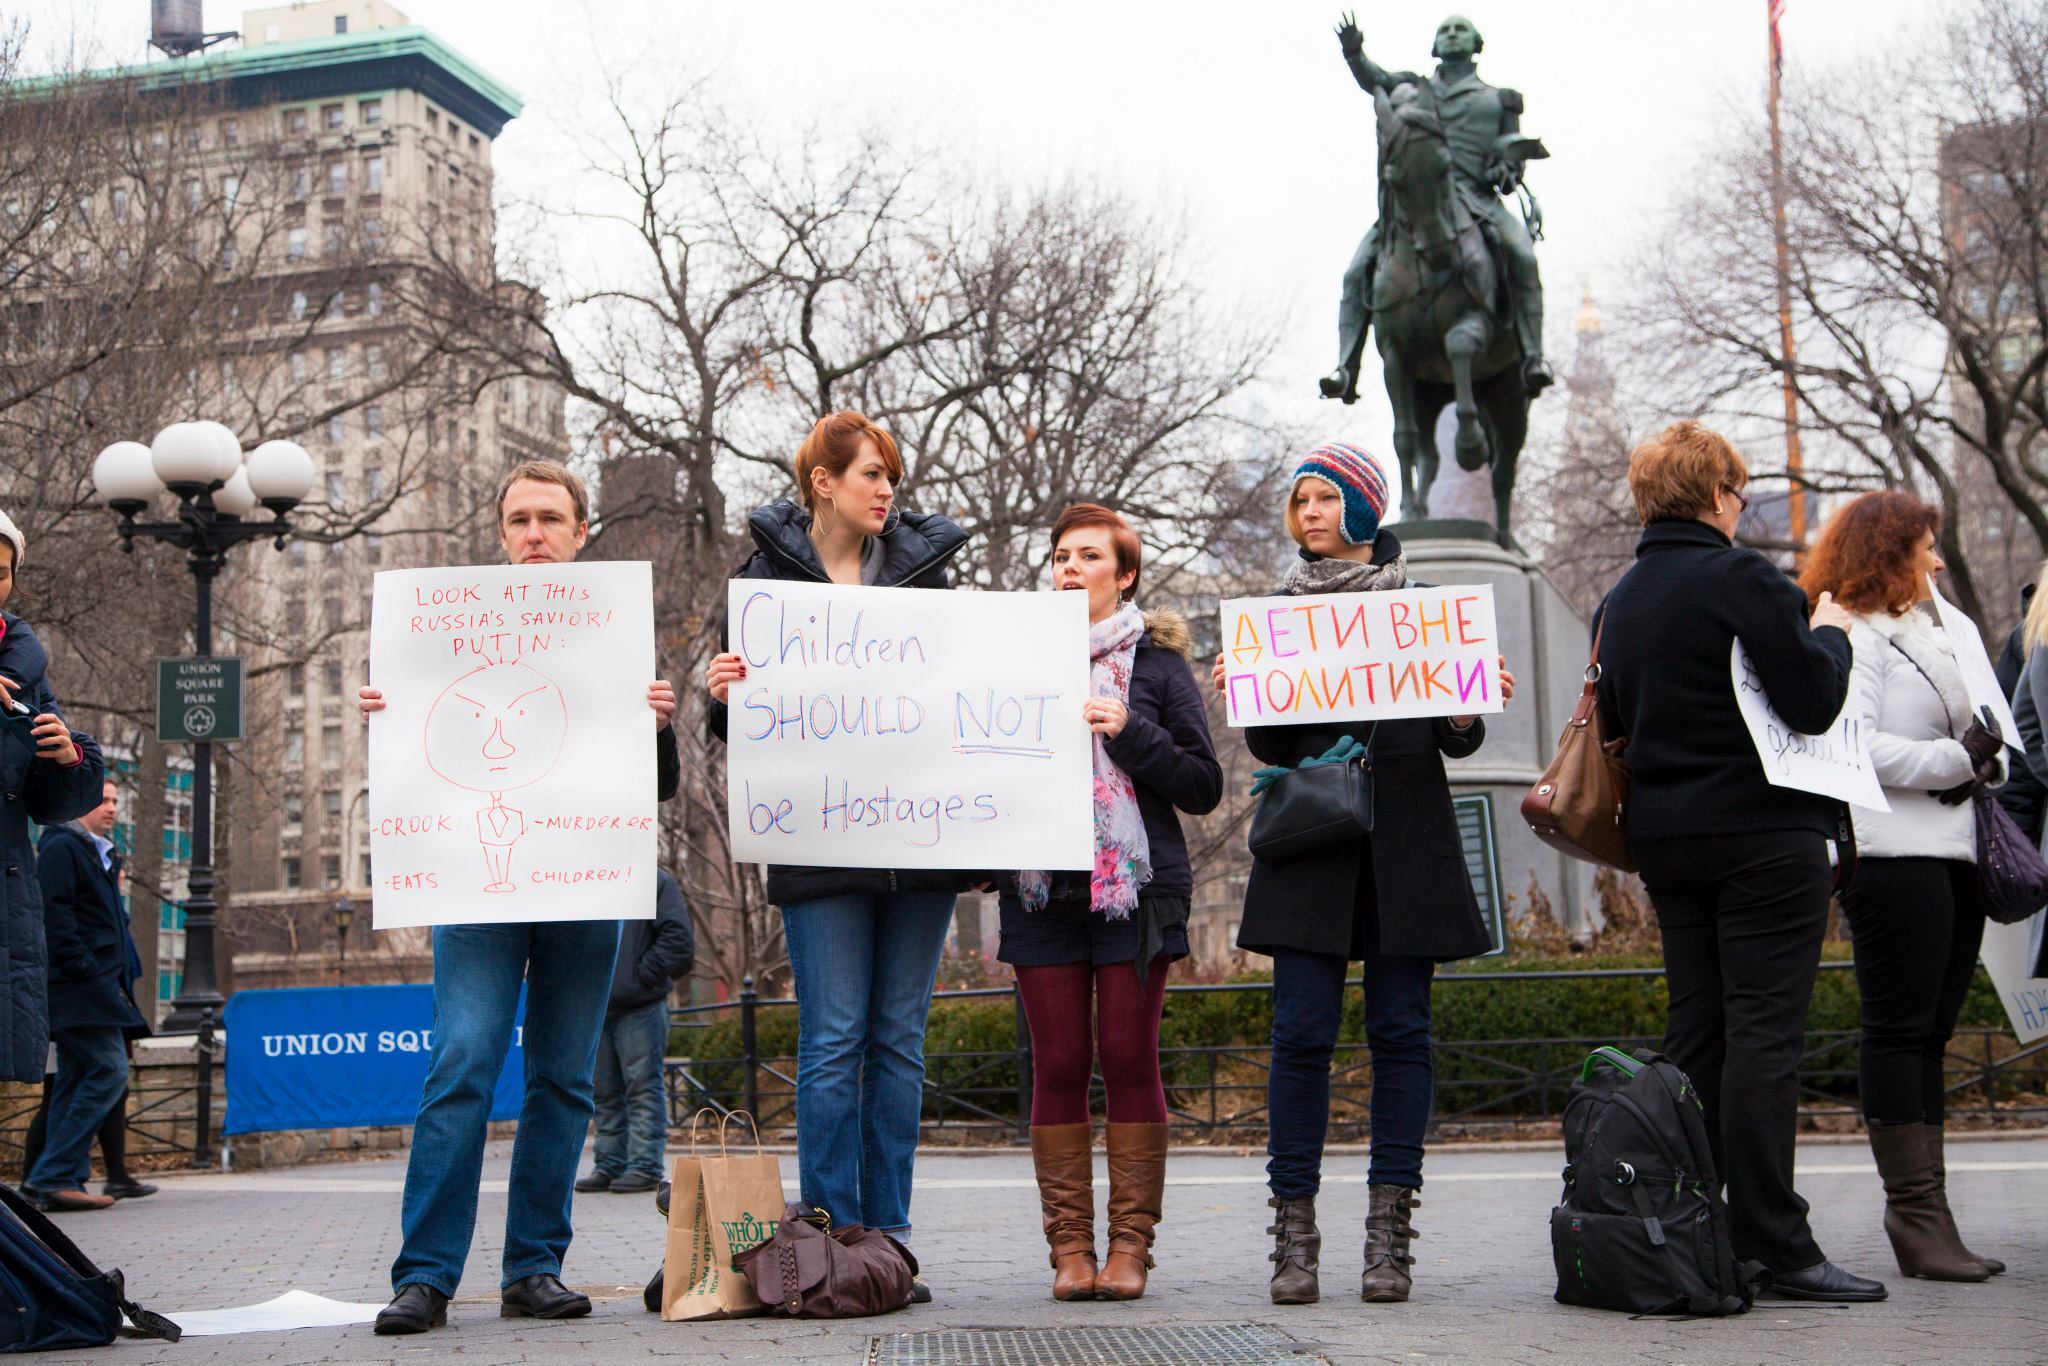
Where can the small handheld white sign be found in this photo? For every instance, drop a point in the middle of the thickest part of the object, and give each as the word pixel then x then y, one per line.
pixel 2008 956
pixel 1835 764
pixel 1979 678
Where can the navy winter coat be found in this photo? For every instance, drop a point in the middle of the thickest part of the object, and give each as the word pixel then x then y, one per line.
pixel 914 555
pixel 31 788
pixel 653 954
pixel 86 931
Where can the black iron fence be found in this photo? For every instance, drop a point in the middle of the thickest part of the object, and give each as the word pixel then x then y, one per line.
pixel 1483 1085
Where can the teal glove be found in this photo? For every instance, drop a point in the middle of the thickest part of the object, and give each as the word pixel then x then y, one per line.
pixel 1343 752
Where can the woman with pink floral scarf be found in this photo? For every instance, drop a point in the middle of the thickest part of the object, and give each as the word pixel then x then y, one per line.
pixel 1091 950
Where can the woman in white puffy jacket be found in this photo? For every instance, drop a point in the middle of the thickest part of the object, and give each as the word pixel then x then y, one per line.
pixel 1912 906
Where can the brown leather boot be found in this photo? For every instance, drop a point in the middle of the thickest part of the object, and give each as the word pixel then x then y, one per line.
pixel 1137 1189
pixel 1922 1239
pixel 1388 1227
pixel 1297 1249
pixel 1063 1160
pixel 1935 1137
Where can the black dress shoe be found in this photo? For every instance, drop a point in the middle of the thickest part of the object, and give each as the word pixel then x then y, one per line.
pixel 128 1188
pixel 414 1309
pixel 634 1183
pixel 542 1297
pixel 1825 1281
pixel 596 1181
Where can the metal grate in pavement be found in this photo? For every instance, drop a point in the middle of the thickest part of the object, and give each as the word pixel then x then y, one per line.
pixel 1245 1344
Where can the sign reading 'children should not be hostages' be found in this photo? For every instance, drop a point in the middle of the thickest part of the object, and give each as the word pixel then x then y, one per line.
pixel 1361 656
pixel 899 728
pixel 512 770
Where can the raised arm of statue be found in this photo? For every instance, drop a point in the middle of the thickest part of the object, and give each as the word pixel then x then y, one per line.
pixel 1369 77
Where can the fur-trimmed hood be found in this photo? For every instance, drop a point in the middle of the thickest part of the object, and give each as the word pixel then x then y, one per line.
pixel 1933 655
pixel 1168 630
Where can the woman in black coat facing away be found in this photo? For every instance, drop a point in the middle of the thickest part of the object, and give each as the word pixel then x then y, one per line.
pixel 1091 949
pixel 1399 901
pixel 1736 868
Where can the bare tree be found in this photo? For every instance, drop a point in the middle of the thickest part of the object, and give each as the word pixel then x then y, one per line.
pixel 1917 204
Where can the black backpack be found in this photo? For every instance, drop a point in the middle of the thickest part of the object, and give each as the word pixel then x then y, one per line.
pixel 1642 1227
pixel 51 1295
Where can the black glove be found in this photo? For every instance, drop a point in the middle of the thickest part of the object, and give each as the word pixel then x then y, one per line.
pixel 1960 793
pixel 1982 740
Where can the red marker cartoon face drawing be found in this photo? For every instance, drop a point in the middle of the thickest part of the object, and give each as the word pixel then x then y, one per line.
pixel 497 728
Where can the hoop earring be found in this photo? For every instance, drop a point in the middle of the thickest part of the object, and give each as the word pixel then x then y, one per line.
pixel 893 520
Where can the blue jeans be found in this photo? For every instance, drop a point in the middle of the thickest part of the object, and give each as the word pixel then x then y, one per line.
pixel 864 967
pixel 477 969
pixel 631 1129
pixel 1308 1005
pixel 92 1076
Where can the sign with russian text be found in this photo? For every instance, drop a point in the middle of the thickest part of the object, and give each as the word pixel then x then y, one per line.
pixel 1836 764
pixel 1361 656
pixel 1980 679
pixel 341 1057
pixel 512 770
pixel 905 728
pixel 199 699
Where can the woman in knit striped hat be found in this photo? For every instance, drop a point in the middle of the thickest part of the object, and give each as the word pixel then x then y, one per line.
pixel 1396 900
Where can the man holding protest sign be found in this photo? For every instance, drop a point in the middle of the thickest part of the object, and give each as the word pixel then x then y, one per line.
pixel 1396 897
pixel 543 519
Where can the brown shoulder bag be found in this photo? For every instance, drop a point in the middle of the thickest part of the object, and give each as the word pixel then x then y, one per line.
pixel 810 1270
pixel 1580 804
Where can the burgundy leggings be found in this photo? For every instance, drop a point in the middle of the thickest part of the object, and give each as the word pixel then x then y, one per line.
pixel 1057 1006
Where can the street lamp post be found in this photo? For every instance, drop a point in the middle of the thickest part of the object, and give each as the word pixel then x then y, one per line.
pixel 344 915
pixel 201 463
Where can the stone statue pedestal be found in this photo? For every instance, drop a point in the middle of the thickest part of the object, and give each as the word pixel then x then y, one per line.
pixel 1547 647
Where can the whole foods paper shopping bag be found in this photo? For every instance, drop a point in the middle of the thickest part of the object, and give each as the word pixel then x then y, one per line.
pixel 698 1280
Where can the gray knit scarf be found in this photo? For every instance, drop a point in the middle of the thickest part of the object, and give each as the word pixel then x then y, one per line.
pixel 1346 576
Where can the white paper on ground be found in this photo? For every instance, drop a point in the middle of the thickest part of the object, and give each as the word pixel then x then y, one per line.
pixel 293 1309
pixel 1836 764
pixel 2008 956
pixel 1979 678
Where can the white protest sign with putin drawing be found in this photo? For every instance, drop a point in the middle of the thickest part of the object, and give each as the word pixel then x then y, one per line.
pixel 512 769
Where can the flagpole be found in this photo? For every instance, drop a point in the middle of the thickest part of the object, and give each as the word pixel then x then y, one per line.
pixel 1794 465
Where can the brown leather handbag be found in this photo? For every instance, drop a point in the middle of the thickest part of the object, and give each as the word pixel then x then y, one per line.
pixel 810 1270
pixel 1580 804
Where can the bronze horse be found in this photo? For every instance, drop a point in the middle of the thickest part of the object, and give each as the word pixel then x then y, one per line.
pixel 1446 334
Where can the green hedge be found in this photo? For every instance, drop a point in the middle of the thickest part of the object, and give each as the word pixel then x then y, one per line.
pixel 1467 1016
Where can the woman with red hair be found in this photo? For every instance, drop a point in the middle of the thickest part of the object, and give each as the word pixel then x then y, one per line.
pixel 1912 906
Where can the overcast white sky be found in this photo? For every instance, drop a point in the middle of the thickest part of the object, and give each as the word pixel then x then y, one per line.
pixel 1240 116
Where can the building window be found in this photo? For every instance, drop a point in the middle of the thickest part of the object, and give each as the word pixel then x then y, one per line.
pixel 335 362
pixel 230 190
pixel 295 613
pixel 295 250
pixel 230 132
pixel 373 236
pixel 294 747
pixel 297 554
pixel 298 309
pixel 337 176
pixel 374 300
pixel 334 433
pixel 374 481
pixel 373 174
pixel 341 23
pixel 331 671
pixel 373 547
pixel 373 423
pixel 298 367
pixel 120 205
pixel 373 360
pixel 330 804
pixel 294 120
pixel 433 120
pixel 330 745
pixel 291 875
pixel 337 494
pixel 330 116
pixel 475 144
pixel 330 871
pixel 294 809
pixel 333 609
pixel 295 681
pixel 192 139
pixel 365 882
pixel 331 239
pixel 371 111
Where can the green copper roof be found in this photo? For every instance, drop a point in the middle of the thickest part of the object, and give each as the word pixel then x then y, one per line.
pixel 381 55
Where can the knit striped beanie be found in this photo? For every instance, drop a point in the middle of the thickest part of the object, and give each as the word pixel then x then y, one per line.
pixel 1358 477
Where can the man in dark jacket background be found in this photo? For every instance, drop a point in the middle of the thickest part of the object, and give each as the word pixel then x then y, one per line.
pixel 92 1003
pixel 630 1130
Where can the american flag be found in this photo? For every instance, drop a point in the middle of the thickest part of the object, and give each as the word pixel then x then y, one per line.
pixel 1777 10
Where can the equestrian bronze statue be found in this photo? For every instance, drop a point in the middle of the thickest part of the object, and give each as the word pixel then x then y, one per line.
pixel 1448 273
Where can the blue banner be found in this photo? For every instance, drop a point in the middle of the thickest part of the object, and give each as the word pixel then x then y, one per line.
pixel 341 1057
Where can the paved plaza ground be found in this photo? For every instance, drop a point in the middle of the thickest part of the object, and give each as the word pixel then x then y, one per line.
pixel 1483 1274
